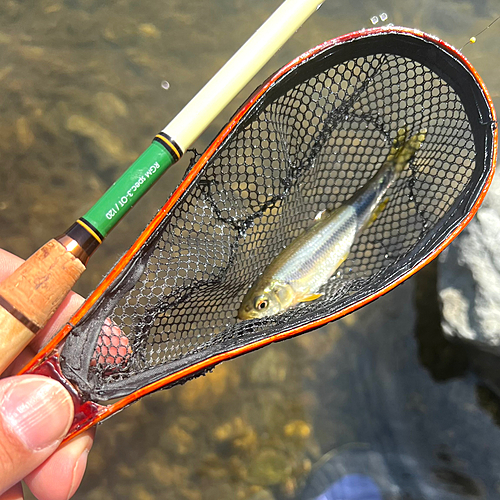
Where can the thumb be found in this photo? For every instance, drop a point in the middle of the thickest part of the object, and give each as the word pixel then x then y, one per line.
pixel 35 415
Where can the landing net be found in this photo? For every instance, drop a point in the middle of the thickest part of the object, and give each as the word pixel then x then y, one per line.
pixel 316 135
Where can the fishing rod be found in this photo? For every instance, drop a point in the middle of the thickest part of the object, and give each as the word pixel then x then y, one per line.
pixel 31 295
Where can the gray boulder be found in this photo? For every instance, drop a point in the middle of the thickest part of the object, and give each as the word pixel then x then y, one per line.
pixel 469 278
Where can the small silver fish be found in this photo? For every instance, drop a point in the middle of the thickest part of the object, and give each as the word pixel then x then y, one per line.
pixel 306 264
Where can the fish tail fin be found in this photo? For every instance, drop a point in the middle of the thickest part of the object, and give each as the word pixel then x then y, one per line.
pixel 403 149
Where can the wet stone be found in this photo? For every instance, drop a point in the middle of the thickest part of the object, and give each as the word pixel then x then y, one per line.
pixel 125 471
pixel 322 342
pixel 297 429
pixel 157 469
pixel 103 138
pixel 5 38
pixel 238 432
pixel 204 392
pixel 149 30
pixel 177 440
pixel 214 468
pixel 99 493
pixel 5 70
pixel 269 467
pixel 120 30
pixel 270 367
pixel 139 492
pixel 110 106
pixel 262 495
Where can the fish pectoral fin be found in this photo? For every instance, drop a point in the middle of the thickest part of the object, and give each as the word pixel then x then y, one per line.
pixel 310 298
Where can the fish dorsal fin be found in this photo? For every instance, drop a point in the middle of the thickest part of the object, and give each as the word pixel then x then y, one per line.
pixel 377 212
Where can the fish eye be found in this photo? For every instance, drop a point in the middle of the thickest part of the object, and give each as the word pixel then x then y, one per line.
pixel 261 304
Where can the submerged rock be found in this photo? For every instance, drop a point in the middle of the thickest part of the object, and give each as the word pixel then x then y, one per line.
pixel 469 278
pixel 270 368
pixel 269 467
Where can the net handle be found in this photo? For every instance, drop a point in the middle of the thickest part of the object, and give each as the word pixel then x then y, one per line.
pixel 30 296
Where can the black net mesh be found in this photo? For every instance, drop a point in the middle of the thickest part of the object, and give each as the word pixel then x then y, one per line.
pixel 312 140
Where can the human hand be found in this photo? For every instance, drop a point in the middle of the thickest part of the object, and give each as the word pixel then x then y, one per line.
pixel 35 415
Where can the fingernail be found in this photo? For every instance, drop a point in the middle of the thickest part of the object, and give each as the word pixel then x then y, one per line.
pixel 38 410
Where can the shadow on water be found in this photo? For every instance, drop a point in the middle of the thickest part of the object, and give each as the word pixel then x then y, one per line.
pixel 416 403
pixel 446 359
pixel 422 412
pixel 443 359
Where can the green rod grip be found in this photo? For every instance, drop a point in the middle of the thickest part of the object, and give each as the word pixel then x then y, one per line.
pixel 129 188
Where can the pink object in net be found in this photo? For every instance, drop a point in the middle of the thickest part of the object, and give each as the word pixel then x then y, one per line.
pixel 113 348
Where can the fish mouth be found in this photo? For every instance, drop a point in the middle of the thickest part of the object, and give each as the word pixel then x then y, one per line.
pixel 244 314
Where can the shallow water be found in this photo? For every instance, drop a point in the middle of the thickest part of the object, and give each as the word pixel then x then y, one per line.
pixel 81 96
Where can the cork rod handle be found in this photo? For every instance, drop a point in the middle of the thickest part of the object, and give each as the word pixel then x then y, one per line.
pixel 31 295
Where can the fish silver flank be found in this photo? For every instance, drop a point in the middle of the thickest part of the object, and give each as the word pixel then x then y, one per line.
pixel 306 264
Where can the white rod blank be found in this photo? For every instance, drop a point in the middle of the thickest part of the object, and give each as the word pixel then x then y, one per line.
pixel 195 117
